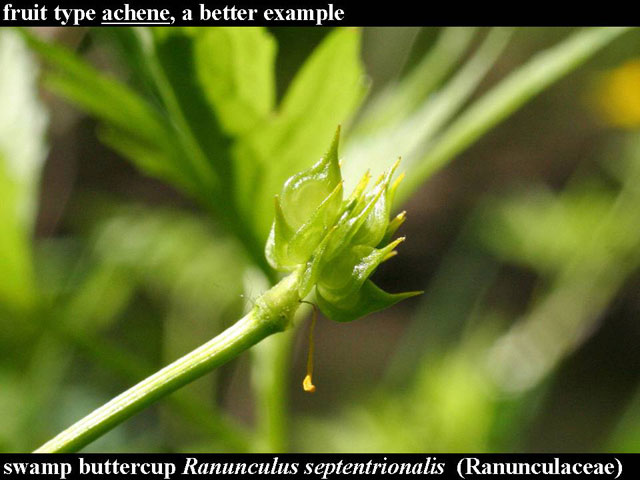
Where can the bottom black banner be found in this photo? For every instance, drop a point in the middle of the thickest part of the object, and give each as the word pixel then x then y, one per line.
pixel 318 466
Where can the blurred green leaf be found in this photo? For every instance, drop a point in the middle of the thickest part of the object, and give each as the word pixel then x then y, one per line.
pixel 407 136
pixel 626 435
pixel 542 230
pixel 597 249
pixel 177 255
pixel 22 152
pixel 11 406
pixel 203 143
pixel 449 406
pixel 132 46
pixel 236 69
pixel 400 99
pixel 16 284
pixel 132 125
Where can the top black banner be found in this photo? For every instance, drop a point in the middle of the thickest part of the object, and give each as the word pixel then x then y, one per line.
pixel 272 13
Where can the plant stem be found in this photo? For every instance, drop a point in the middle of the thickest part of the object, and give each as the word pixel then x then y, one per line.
pixel 506 97
pixel 270 381
pixel 132 367
pixel 272 313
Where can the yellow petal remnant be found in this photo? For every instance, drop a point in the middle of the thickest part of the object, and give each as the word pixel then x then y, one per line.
pixel 617 95
pixel 307 383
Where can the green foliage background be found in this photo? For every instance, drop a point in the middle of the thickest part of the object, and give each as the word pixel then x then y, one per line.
pixel 527 246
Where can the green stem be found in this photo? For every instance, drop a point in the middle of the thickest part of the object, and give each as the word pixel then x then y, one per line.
pixel 505 98
pixel 272 313
pixel 270 381
pixel 130 366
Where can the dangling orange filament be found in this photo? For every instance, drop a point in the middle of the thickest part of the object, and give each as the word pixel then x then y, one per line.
pixel 307 383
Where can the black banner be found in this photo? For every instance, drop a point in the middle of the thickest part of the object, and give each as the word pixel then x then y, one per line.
pixel 319 466
pixel 285 12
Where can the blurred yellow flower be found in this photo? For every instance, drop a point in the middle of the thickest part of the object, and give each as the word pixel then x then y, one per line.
pixel 617 95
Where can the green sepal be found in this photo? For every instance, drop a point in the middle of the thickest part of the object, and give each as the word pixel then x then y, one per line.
pixel 310 275
pixel 394 187
pixel 351 221
pixel 278 241
pixel 341 278
pixel 310 234
pixel 374 227
pixel 357 193
pixel 368 299
pixel 303 193
pixel 393 226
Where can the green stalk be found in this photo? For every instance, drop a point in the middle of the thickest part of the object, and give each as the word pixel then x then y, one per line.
pixel 506 97
pixel 270 381
pixel 272 313
pixel 130 366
